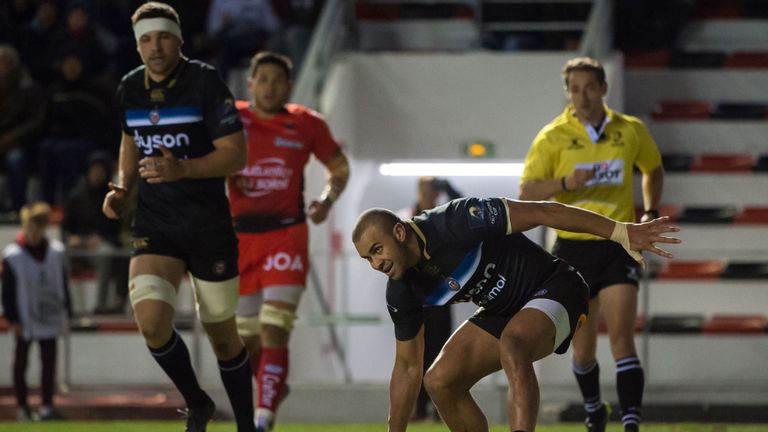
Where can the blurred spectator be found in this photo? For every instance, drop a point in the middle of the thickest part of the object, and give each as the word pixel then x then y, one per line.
pixel 79 122
pixel 297 22
pixel 21 116
pixel 14 14
pixel 36 40
pixel 89 233
pixel 80 35
pixel 238 28
pixel 36 303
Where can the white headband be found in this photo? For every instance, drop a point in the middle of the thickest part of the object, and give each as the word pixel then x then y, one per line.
pixel 156 24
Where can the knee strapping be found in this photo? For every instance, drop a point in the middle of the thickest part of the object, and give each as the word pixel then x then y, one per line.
pixel 216 301
pixel 277 317
pixel 151 287
pixel 248 325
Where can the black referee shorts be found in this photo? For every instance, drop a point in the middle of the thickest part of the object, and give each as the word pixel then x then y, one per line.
pixel 602 262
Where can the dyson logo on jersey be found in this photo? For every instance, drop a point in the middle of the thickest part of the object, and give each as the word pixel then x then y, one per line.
pixel 149 143
pixel 264 176
pixel 606 172
pixel 482 284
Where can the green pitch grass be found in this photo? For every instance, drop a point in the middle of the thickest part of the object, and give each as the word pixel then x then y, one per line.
pixel 169 426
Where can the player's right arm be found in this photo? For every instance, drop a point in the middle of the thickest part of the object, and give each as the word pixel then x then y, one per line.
pixel 127 171
pixel 405 383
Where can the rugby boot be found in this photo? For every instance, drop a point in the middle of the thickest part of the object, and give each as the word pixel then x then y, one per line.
pixel 197 419
pixel 597 420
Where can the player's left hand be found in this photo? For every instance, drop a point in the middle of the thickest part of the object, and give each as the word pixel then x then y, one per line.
pixel 644 236
pixel 318 211
pixel 161 169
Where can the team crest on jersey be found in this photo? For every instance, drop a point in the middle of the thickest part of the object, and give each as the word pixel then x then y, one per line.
pixel 154 116
pixel 453 284
pixel 616 140
pixel 575 145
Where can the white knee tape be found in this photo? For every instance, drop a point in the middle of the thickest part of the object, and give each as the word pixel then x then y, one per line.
pixel 248 326
pixel 151 287
pixel 216 301
pixel 277 317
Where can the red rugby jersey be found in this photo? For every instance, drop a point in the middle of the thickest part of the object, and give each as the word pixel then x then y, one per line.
pixel 268 192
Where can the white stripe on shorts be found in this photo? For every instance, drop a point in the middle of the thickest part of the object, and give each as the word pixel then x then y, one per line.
pixel 557 313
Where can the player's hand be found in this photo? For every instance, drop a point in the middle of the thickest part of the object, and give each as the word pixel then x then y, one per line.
pixel 578 178
pixel 644 236
pixel 114 202
pixel 318 211
pixel 161 169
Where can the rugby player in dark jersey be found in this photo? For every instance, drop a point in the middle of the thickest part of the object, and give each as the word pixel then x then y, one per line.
pixel 182 136
pixel 530 302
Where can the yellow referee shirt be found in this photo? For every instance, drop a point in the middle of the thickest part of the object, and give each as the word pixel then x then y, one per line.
pixel 564 145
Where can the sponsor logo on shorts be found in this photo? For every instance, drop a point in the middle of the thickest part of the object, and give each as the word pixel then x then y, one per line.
pixel 632 273
pixel 140 243
pixel 219 267
pixel 392 308
pixel 540 292
pixel 281 261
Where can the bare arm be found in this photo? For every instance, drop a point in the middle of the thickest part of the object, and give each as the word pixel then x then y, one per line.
pixel 406 381
pixel 228 157
pixel 653 183
pixel 639 237
pixel 337 169
pixel 127 170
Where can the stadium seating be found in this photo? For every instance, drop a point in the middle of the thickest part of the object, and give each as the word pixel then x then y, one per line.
pixel 689 110
pixel 752 215
pixel 739 111
pixel 708 215
pixel 747 60
pixel 701 59
pixel 736 324
pixel 709 269
pixel 676 323
pixel 722 163
pixel 745 270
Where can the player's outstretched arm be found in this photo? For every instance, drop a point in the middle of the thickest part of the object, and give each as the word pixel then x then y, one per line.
pixel 406 380
pixel 114 201
pixel 524 215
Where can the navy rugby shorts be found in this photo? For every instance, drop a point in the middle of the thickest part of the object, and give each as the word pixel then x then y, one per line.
pixel 209 255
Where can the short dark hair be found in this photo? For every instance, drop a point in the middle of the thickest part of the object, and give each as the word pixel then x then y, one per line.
pixel 269 57
pixel 381 217
pixel 584 64
pixel 155 10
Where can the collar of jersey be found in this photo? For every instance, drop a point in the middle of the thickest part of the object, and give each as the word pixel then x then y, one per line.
pixel 572 119
pixel 170 80
pixel 420 237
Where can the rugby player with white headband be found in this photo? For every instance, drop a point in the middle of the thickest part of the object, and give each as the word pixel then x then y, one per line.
pixel 182 136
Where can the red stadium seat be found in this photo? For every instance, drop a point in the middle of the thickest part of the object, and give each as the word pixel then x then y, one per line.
pixel 720 163
pixel 747 60
pixel 752 215
pixel 714 9
pixel 646 59
pixel 736 324
pixel 690 110
pixel 691 270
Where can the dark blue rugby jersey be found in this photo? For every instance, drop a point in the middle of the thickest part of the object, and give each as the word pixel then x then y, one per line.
pixel 185 113
pixel 467 255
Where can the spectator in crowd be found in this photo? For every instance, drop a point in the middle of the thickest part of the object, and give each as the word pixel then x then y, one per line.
pixel 14 15
pixel 585 157
pixel 22 113
pixel 79 122
pixel 297 23
pixel 84 37
pixel 36 303
pixel 270 218
pixel 87 231
pixel 438 321
pixel 238 28
pixel 36 40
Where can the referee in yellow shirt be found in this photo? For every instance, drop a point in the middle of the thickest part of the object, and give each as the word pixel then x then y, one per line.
pixel 584 157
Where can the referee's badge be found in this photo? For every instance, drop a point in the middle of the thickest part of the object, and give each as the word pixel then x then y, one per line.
pixel 154 116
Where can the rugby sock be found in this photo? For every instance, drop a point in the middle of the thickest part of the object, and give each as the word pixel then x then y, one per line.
pixel 236 376
pixel 255 360
pixel 173 358
pixel 273 371
pixel 629 384
pixel 589 383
